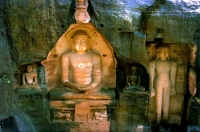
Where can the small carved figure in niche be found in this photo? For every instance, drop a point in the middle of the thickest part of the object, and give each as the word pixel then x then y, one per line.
pixel 100 115
pixel 81 69
pixel 62 116
pixel 162 75
pixel 30 78
pixel 133 80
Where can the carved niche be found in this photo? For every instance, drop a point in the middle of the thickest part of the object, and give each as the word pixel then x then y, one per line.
pixel 81 58
pixel 97 44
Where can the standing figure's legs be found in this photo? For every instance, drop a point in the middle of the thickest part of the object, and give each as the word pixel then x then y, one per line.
pixel 158 95
pixel 166 99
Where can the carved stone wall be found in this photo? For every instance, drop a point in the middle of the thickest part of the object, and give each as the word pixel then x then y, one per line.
pixel 31 28
pixel 133 111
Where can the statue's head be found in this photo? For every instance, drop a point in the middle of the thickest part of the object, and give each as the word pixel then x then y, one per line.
pixel 29 68
pixel 162 51
pixel 81 40
pixel 133 69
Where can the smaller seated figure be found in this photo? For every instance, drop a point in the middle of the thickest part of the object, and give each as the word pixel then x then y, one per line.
pixel 59 116
pixel 100 115
pixel 133 81
pixel 30 79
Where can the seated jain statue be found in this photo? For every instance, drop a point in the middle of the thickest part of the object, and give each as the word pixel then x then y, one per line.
pixel 81 73
pixel 133 81
pixel 81 69
pixel 162 76
pixel 30 78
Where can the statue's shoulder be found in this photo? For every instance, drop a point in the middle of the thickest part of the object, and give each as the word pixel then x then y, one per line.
pixel 174 63
pixel 93 54
pixel 95 57
pixel 67 54
pixel 152 62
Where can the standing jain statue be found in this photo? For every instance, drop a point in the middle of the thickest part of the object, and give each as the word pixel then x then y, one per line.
pixel 162 80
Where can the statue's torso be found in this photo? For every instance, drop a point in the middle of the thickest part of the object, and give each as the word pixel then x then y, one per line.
pixel 29 77
pixel 133 80
pixel 81 67
pixel 162 68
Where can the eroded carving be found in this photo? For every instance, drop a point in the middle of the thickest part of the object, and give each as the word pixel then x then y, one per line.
pixel 61 115
pixel 100 115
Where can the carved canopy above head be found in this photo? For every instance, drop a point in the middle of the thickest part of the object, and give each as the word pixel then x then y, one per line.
pixel 97 44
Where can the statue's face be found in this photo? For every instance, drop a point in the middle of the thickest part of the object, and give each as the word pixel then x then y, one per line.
pixel 29 68
pixel 163 53
pixel 133 69
pixel 81 42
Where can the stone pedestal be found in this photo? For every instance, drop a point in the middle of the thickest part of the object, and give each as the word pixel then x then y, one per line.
pixel 134 110
pixel 82 115
pixel 82 112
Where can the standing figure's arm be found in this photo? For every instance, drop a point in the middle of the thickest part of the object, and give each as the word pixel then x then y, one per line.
pixel 173 77
pixel 152 76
